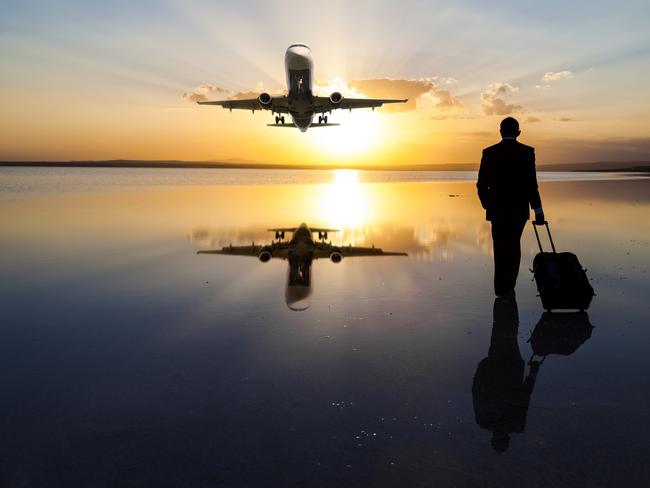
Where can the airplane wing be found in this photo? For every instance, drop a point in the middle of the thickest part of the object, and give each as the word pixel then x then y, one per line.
pixel 324 104
pixel 277 105
pixel 325 250
pixel 277 250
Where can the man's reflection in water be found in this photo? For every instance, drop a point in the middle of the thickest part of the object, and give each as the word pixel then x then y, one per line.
pixel 501 390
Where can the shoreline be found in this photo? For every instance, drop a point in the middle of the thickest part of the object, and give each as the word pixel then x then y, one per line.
pixel 640 167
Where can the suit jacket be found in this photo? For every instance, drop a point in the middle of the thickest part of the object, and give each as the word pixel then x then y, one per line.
pixel 507 183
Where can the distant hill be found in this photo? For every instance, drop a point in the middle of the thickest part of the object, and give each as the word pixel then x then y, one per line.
pixel 634 166
pixel 232 164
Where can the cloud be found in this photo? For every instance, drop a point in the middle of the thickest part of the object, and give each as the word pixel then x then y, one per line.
pixel 444 80
pixel 556 75
pixel 421 93
pixel 493 103
pixel 551 76
pixel 243 95
pixel 211 88
pixel 452 117
pixel 532 120
pixel 194 97
pixel 199 94
pixel 565 119
pixel 444 100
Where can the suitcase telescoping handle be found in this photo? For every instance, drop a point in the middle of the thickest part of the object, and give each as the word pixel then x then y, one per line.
pixel 535 224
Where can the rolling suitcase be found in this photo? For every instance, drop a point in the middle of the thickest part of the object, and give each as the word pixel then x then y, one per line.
pixel 561 281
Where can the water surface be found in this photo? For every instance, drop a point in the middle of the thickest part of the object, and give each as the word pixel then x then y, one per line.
pixel 128 359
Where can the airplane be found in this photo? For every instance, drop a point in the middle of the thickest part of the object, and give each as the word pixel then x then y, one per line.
pixel 300 251
pixel 300 102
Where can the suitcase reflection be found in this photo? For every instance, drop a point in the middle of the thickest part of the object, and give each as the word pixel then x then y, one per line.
pixel 502 389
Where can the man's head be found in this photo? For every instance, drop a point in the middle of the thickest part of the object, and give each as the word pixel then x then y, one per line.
pixel 510 127
pixel 500 441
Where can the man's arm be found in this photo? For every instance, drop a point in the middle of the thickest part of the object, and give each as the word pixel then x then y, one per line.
pixel 482 184
pixel 533 190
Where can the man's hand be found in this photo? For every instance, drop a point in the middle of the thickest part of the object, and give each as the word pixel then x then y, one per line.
pixel 539 216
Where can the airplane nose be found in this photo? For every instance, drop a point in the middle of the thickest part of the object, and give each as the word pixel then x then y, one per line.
pixel 297 297
pixel 299 48
pixel 298 57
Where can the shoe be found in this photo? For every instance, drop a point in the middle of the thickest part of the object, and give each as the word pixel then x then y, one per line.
pixel 509 294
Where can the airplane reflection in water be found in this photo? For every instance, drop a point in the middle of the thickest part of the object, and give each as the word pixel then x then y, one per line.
pixel 438 241
pixel 501 391
pixel 300 251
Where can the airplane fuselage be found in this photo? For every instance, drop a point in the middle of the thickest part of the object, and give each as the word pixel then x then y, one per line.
pixel 299 67
pixel 300 256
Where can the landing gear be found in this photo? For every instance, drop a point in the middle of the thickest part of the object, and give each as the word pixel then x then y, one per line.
pixel 279 120
pixel 322 119
pixel 322 236
pixel 279 235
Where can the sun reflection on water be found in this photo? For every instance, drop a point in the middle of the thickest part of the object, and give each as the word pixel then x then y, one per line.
pixel 344 202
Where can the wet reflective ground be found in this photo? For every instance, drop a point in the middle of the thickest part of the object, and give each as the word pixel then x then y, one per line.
pixel 126 359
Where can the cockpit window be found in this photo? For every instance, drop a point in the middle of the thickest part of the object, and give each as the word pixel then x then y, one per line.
pixel 299 271
pixel 299 82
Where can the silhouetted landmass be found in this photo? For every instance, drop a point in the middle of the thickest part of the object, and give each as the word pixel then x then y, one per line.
pixel 613 166
pixel 123 163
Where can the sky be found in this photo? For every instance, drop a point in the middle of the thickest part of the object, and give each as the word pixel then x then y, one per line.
pixel 84 80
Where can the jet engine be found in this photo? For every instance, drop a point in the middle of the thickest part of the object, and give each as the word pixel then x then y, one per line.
pixel 336 257
pixel 336 98
pixel 265 99
pixel 264 255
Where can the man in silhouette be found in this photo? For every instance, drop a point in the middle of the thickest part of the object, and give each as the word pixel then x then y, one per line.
pixel 501 391
pixel 507 185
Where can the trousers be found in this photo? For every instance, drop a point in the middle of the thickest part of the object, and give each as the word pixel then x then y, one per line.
pixel 506 239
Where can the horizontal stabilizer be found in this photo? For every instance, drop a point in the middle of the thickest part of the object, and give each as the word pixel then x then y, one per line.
pixel 284 229
pixel 316 229
pixel 329 124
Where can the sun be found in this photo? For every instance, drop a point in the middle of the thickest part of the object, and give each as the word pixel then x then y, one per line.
pixel 358 133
